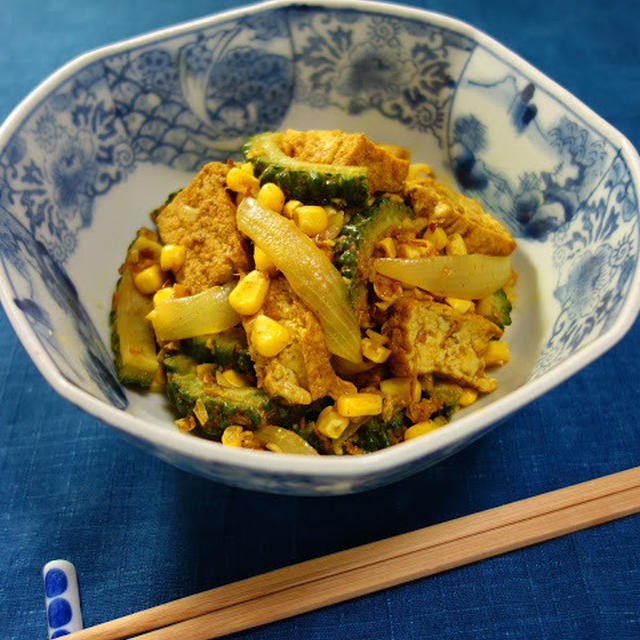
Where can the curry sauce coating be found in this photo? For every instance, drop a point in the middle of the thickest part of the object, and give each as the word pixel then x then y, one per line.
pixel 456 213
pixel 302 371
pixel 385 171
pixel 202 218
pixel 428 337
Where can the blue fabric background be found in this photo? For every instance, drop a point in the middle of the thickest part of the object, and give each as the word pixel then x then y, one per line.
pixel 141 532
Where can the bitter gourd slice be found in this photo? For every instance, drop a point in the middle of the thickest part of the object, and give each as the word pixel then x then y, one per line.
pixel 308 182
pixel 227 349
pixel 496 308
pixel 189 382
pixel 354 246
pixel 132 338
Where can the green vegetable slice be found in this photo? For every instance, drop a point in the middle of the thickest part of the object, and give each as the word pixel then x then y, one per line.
pixel 132 339
pixel 309 272
pixel 354 246
pixel 305 181
pixel 227 349
pixel 496 308
pixel 224 406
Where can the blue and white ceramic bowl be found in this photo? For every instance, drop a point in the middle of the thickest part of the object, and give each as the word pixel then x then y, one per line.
pixel 99 144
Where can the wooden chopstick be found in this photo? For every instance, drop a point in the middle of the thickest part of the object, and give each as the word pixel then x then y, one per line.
pixel 348 574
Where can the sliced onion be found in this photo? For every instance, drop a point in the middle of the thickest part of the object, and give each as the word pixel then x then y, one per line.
pixel 285 440
pixel 309 272
pixel 197 315
pixel 469 277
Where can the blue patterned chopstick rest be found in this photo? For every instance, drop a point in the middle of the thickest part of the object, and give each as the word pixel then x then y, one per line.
pixel 62 598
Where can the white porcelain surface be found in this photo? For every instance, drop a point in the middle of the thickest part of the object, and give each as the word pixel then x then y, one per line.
pixel 99 144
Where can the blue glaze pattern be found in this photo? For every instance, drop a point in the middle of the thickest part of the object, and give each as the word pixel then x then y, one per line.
pixel 581 201
pixel 595 255
pixel 181 104
pixel 356 63
pixel 62 598
pixel 58 612
pixel 55 582
pixel 70 339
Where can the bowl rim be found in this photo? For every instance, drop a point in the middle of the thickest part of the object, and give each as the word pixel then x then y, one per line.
pixel 460 431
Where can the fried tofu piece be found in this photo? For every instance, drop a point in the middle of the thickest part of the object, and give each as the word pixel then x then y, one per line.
pixel 386 171
pixel 456 213
pixel 302 371
pixel 428 337
pixel 202 218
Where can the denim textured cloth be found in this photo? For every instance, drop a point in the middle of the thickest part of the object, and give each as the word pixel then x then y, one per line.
pixel 141 532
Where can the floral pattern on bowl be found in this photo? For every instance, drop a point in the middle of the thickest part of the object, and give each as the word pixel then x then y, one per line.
pixel 90 151
pixel 566 185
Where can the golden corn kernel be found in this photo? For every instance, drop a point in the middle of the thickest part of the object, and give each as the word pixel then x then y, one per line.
pixel 468 396
pixel 149 280
pixel 420 428
pixel 162 294
pixel 271 196
pixel 290 206
pixel 456 245
pixel 331 424
pixel 407 251
pixel 249 294
pixel 416 390
pixel 232 436
pixel 497 353
pixel 418 248
pixel 234 379
pixel 396 387
pixel 186 424
pixel 268 336
pixel 200 411
pixel 311 219
pixel 438 237
pixel 242 181
pixel 172 257
pixel 388 247
pixel 263 261
pixel 352 405
pixel 459 304
pixel 377 337
pixel 248 167
pixel 374 351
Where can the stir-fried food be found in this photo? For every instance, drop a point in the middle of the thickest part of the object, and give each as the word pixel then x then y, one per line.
pixel 325 295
